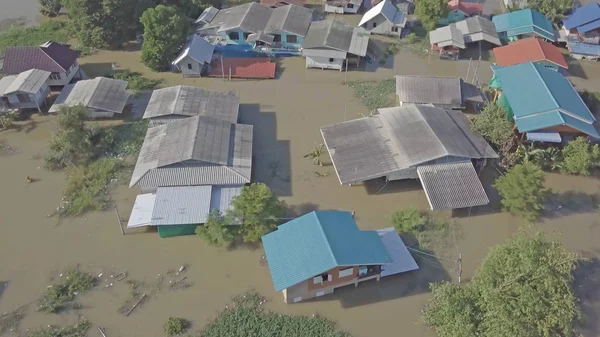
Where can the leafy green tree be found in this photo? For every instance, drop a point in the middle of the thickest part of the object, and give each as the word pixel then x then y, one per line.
pixel 257 210
pixel 216 231
pixel 407 220
pixel 522 190
pixel 523 288
pixel 165 30
pixel 71 143
pixel 554 10
pixel 430 12
pixel 175 326
pixel 50 7
pixel 493 125
pixel 580 157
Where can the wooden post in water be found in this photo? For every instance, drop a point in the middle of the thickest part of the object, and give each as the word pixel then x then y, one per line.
pixel 119 220
pixel 222 68
pixel 229 73
pixel 346 73
pixel 459 267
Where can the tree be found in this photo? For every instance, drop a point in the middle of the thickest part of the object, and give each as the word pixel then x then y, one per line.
pixel 493 125
pixel 50 7
pixel 216 232
pixel 71 143
pixel 315 154
pixel 430 12
pixel 554 10
pixel 522 190
pixel 580 157
pixel 257 210
pixel 523 288
pixel 407 220
pixel 165 31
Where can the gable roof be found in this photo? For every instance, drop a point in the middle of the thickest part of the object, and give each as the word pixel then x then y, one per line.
pixel 207 15
pixel 251 17
pixel 399 138
pixel 477 28
pixel 99 93
pixel 291 19
pixel 50 56
pixel 198 150
pixel 317 242
pixel 29 81
pixel 337 35
pixel 468 8
pixel 389 12
pixel 584 18
pixel 183 100
pixel 447 36
pixel 556 101
pixel 441 91
pixel 5 82
pixel 530 49
pixel 198 49
pixel 524 21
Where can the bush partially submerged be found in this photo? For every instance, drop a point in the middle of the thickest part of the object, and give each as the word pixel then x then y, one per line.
pixel 522 191
pixel 60 295
pixel 580 157
pixel 407 220
pixel 175 326
pixel 137 82
pixel 375 94
pixel 78 329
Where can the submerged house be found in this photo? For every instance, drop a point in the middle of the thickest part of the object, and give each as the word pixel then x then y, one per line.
pixel 557 113
pixel 27 90
pixel 57 58
pixel 440 91
pixel 103 97
pixel 342 6
pixel 321 251
pixel 330 44
pixel 385 19
pixel 459 10
pixel 530 50
pixel 448 41
pixel 195 58
pixel 523 23
pixel 413 141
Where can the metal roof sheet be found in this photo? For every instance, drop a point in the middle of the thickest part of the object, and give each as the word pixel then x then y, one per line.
pixel 437 90
pixel 207 15
pixel 141 213
pixel 447 36
pixel 583 15
pixel 251 17
pixel 389 12
pixel 198 49
pixel 477 28
pixel 336 35
pixel 584 48
pixel 549 137
pixel 291 19
pixel 522 22
pixel 29 81
pixel 530 49
pixel 452 185
pixel 182 205
pixel 317 242
pixel 50 56
pixel 5 82
pixel 222 196
pixel 99 93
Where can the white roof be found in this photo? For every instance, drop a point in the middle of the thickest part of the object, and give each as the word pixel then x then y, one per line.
pixel 141 214
pixel 388 10
pixel 198 49
pixel 401 257
pixel 29 81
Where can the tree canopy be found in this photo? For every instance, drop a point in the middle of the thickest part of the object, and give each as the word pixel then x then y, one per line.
pixel 431 11
pixel 522 288
pixel 554 10
pixel 493 125
pixel 522 190
pixel 71 143
pixel 216 231
pixel 165 31
pixel 50 7
pixel 580 157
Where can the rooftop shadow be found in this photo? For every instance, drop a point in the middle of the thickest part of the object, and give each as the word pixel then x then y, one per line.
pixel 570 202
pixel 587 279
pixel 271 157
pixel 475 50
pixel 575 68
pixel 380 57
pixel 93 70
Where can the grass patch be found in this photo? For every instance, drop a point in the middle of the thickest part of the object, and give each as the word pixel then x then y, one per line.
pixel 55 30
pixel 78 329
pixel 59 296
pixel 245 317
pixel 175 326
pixel 375 94
pixel 124 139
pixel 137 82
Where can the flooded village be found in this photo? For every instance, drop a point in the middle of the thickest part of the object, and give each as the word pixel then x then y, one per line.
pixel 286 114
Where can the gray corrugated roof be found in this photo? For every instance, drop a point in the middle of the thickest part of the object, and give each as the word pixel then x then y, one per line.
pixel 5 82
pixel 29 81
pixel 207 15
pixel 197 49
pixel 337 35
pixel 477 28
pixel 264 37
pixel 437 90
pixel 251 17
pixel 181 205
pixel 290 18
pixel 389 12
pixel 452 185
pixel 399 138
pixel 99 93
pixel 447 36
pixel 195 150
pixel 184 100
pixel 222 196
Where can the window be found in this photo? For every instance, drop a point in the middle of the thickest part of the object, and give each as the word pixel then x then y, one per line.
pixel 23 98
pixel 291 39
pixel 330 60
pixel 189 66
pixel 246 35
pixel 374 24
pixel 55 76
pixel 346 272
pixel 234 35
pixel 321 278
pixel 350 5
pixel 276 38
pixel 395 29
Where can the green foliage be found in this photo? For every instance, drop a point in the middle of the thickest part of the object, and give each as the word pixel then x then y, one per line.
pixel 375 94
pixel 522 191
pixel 412 38
pixel 216 231
pixel 580 157
pixel 72 142
pixel 245 317
pixel 523 288
pixel 137 82
pixel 50 7
pixel 493 125
pixel 554 10
pixel 121 140
pixel 408 220
pixel 175 326
pixel 430 12
pixel 257 210
pixel 53 30
pixel 7 117
pixel 165 31
pixel 549 158
pixel 78 329
pixel 59 295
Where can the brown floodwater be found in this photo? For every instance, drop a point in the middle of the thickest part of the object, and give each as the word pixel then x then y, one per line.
pixel 286 114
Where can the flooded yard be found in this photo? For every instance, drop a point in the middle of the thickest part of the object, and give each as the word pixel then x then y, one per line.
pixel 286 113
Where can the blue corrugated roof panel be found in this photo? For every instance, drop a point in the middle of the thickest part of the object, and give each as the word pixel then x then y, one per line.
pixel 524 21
pixel 582 16
pixel 538 122
pixel 317 242
pixel 584 48
pixel 588 27
pixel 580 125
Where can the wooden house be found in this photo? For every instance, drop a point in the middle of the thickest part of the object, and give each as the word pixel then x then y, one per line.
pixel 27 90
pixel 195 58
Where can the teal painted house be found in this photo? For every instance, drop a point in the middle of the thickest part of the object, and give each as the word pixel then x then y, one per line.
pixel 523 23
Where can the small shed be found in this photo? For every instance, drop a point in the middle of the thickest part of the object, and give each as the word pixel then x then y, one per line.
pixel 384 19
pixel 195 57
pixel 27 90
pixel 523 23
pixel 447 40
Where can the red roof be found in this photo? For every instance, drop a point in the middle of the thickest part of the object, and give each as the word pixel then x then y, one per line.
pixel 51 56
pixel 244 68
pixel 530 49
pixel 279 3
pixel 468 8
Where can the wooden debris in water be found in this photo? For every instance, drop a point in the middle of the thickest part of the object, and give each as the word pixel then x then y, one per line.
pixel 101 330
pixel 121 276
pixel 136 304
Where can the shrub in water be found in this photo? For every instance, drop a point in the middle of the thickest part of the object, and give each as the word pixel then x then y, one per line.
pixel 175 326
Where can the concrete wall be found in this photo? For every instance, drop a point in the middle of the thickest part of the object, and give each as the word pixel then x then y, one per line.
pixel 196 67
pixel 324 63
pixel 382 26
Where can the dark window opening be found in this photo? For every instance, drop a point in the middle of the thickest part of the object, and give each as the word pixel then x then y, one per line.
pixel 331 60
pixel 374 24
pixel 189 66
pixel 246 35
pixel 350 5
pixel 23 98
pixel 234 35
pixel 291 39
pixel 395 29
pixel 276 38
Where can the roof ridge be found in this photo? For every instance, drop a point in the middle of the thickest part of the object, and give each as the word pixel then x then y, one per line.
pixel 537 72
pixel 53 60
pixel 326 238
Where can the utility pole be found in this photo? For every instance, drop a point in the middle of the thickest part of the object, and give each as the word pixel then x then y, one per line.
pixel 459 267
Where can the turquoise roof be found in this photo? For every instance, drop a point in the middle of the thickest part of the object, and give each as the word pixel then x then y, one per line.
pixel 317 242
pixel 541 98
pixel 524 21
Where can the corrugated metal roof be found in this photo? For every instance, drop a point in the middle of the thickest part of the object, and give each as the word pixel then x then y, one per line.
pixel 399 138
pixel 99 93
pixel 141 213
pixel 530 49
pixel 198 49
pixel 5 82
pixel 222 196
pixel 389 12
pixel 584 48
pixel 29 81
pixel 447 36
pixel 183 205
pixel 317 242
pixel 438 90
pixel 191 175
pixel 477 28
pixel 522 22
pixel 185 100
pixel 452 185
pixel 207 15
pixel 337 35
pixel 251 17
pixel 583 15
pixel 291 19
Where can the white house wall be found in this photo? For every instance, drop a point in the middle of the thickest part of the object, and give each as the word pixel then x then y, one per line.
pixel 324 62
pixel 64 77
pixel 382 26
pixel 183 67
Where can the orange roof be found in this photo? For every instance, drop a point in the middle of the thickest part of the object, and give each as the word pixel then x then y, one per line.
pixel 468 8
pixel 244 68
pixel 530 49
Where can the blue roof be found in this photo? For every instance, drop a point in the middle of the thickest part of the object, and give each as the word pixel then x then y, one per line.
pixel 556 101
pixel 584 48
pixel 524 21
pixel 584 17
pixel 317 242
